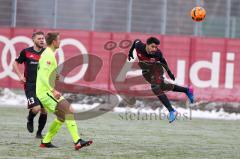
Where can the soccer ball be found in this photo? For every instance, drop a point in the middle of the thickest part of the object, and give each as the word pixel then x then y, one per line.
pixel 198 14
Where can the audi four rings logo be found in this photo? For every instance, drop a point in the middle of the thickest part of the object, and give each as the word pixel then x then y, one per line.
pixel 10 48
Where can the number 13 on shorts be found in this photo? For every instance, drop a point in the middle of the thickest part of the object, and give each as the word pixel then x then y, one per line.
pixel 30 101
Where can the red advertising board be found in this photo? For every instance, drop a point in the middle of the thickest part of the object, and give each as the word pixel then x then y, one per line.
pixel 208 64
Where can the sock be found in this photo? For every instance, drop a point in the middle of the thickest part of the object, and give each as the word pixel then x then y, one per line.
pixel 177 88
pixel 31 115
pixel 41 122
pixel 163 98
pixel 72 127
pixel 52 131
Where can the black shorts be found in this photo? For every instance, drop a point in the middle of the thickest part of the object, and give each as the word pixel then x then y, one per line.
pixel 153 74
pixel 30 92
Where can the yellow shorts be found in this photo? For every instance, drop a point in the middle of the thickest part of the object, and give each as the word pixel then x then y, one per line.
pixel 49 102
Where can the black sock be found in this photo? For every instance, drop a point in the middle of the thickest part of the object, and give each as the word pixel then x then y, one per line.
pixel 177 88
pixel 41 122
pixel 31 115
pixel 164 99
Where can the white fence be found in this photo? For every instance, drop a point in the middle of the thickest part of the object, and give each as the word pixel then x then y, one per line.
pixel 151 16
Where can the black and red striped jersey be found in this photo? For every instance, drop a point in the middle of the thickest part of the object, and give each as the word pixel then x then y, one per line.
pixel 144 56
pixel 30 58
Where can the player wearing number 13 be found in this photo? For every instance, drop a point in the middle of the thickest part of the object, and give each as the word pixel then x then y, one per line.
pixel 30 57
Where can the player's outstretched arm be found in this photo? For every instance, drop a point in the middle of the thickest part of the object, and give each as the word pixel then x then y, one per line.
pixel 130 53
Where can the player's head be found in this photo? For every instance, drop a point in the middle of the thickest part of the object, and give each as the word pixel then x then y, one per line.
pixel 152 44
pixel 53 39
pixel 38 39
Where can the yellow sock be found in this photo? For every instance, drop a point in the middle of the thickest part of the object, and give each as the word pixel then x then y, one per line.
pixel 52 131
pixel 72 127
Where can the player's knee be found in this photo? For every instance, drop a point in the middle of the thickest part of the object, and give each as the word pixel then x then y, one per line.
pixel 43 111
pixel 156 89
pixel 36 109
pixel 71 109
pixel 65 107
pixel 61 119
pixel 60 115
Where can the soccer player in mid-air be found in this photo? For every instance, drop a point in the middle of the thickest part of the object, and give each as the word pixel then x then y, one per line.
pixel 152 63
pixel 51 99
pixel 30 57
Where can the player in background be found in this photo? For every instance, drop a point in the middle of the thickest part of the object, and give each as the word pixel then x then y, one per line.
pixel 152 63
pixel 51 99
pixel 30 57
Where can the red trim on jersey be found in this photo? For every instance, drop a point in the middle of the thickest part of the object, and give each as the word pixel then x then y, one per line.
pixel 141 57
pixel 32 56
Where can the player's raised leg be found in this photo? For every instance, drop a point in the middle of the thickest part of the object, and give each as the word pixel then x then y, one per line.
pixel 188 91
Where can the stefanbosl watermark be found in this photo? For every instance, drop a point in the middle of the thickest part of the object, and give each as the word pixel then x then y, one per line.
pixel 161 115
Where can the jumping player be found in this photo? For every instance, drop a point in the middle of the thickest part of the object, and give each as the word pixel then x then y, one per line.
pixel 51 99
pixel 30 56
pixel 152 63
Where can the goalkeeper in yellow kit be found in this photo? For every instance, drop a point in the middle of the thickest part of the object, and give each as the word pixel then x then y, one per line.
pixel 51 99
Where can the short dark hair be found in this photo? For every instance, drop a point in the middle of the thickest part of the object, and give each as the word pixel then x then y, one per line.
pixel 50 37
pixel 153 40
pixel 37 33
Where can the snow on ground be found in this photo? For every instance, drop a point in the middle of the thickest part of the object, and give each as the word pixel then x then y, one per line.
pixel 183 113
pixel 10 99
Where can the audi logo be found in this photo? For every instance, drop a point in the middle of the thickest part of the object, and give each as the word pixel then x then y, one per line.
pixel 7 69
